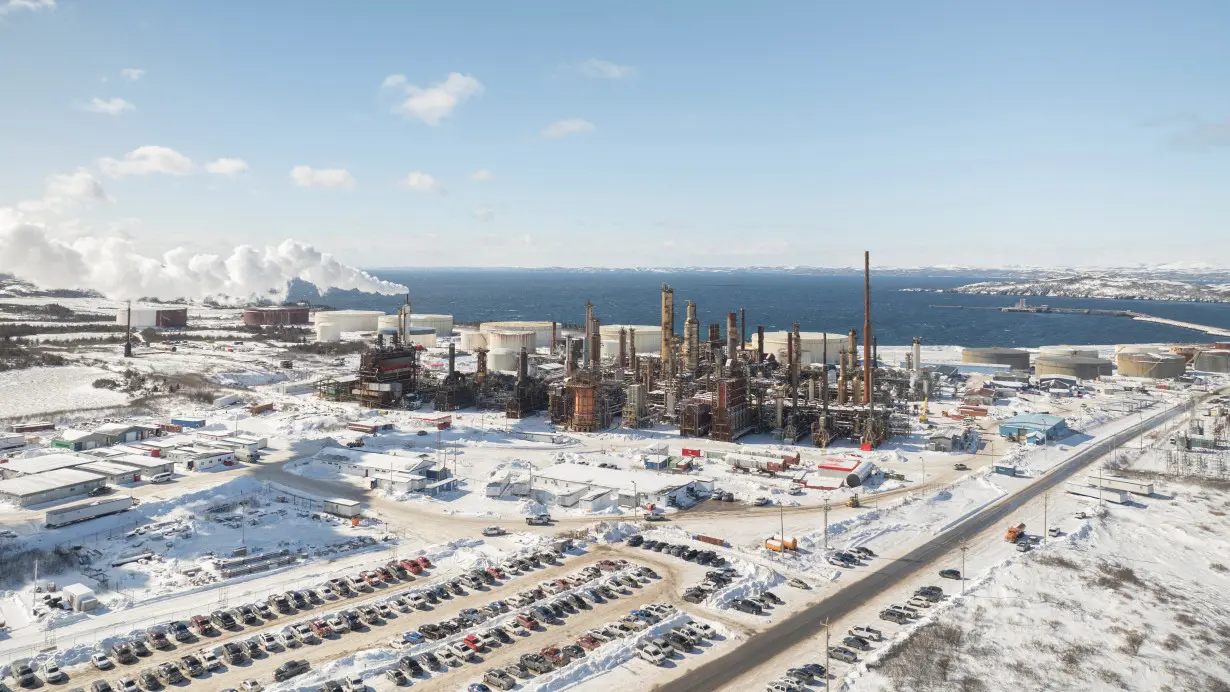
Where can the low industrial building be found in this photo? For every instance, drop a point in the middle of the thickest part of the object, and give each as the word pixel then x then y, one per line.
pixel 113 472
pixel 389 471
pixel 120 433
pixel 200 457
pixel 246 447
pixel 62 483
pixel 1013 358
pixel 950 438
pixel 79 440
pixel 147 466
pixel 1041 425
pixel 567 485
pixel 17 468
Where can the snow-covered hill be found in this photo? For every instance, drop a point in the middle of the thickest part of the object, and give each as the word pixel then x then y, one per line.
pixel 1105 285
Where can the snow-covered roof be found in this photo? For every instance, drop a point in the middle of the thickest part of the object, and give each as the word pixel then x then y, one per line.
pixel 615 479
pixel 113 428
pixel 141 461
pixel 45 463
pixel 74 435
pixel 108 468
pixel 43 482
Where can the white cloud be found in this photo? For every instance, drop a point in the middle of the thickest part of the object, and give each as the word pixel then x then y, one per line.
pixel 65 190
pixel 604 69
pixel 146 160
pixel 434 103
pixel 111 106
pixel 482 175
pixel 421 182
pixel 7 6
pixel 132 74
pixel 484 213
pixel 337 178
pixel 227 167
pixel 394 81
pixel 566 127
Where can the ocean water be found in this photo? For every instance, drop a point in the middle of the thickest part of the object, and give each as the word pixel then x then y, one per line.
pixel 776 300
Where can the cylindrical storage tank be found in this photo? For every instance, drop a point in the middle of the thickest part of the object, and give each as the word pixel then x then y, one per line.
pixel 388 322
pixel 443 324
pixel 1152 365
pixel 514 340
pixel 351 320
pixel 473 340
pixel 328 332
pixel 1221 345
pixel 421 336
pixel 504 359
pixel 1068 351
pixel 811 346
pixel 610 349
pixel 1014 358
pixel 1080 367
pixel 1188 351
pixel 540 329
pixel 860 474
pixel 648 336
pixel 1213 361
pixel 1135 348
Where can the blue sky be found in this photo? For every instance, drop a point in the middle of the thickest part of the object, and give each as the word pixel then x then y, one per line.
pixel 696 133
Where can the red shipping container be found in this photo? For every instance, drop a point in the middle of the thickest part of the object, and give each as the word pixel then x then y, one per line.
pixel 444 426
pixel 691 452
pixel 710 540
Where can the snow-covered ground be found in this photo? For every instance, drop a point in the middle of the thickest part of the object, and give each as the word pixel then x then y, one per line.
pixel 67 389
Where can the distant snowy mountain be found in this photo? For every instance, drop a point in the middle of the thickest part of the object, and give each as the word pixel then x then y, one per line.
pixel 13 287
pixel 1114 285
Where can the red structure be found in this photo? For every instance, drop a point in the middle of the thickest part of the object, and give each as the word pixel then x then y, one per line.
pixel 287 314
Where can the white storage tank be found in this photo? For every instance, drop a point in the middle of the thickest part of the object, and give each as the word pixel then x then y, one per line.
pixel 504 359
pixel 443 324
pixel 1068 351
pixel 811 345
pixel 610 349
pixel 473 340
pixel 351 320
pixel 648 336
pixel 541 329
pixel 328 332
pixel 421 336
pixel 514 340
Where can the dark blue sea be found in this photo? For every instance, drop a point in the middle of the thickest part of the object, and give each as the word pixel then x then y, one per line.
pixel 818 302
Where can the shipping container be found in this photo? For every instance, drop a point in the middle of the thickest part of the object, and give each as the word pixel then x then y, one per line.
pixel 1119 497
pixel 710 540
pixel 1121 484
pixel 84 511
pixel 32 427
pixel 691 452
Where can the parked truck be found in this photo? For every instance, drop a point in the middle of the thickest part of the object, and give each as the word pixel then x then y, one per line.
pixel 539 520
pixel 1109 494
pixel 654 513
pixel 1015 533
pixel 1121 484
pixel 84 511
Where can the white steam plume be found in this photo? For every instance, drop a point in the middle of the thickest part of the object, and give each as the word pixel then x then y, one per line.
pixel 115 267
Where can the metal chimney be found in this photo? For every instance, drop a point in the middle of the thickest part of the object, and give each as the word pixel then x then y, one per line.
pixel 452 358
pixel 867 360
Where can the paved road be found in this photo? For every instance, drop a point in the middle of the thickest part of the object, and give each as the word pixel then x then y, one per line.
pixel 807 623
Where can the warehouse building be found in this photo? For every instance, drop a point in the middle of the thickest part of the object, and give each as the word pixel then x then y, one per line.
pixel 1013 358
pixel 17 468
pixel 62 483
pixel 280 315
pixel 389 471
pixel 1039 425
pixel 200 457
pixel 567 485
pixel 147 466
pixel 120 433
pixel 79 440
pixel 113 473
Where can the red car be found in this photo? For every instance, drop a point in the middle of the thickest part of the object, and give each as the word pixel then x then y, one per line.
pixel 385 574
pixel 553 655
pixel 371 578
pixel 495 572
pixel 412 566
pixel 321 629
pixel 588 643
pixel 527 622
pixel 424 562
pixel 474 643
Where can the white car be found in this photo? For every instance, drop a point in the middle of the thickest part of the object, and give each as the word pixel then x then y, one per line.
pixel 209 660
pixel 783 685
pixel 462 651
pixel 651 653
pixel 289 640
pixel 447 657
pixel 270 642
pixel 704 628
pixel 354 683
pixel 52 673
pixel 417 601
pixel 251 686
pixel 326 592
pixel 101 661
pixel 127 685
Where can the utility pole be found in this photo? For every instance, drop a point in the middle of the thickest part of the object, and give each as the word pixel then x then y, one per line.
pixel 1045 527
pixel 964 548
pixel 827 663
pixel 826 523
pixel 781 511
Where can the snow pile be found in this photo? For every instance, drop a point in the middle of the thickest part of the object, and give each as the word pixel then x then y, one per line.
pixel 248 379
pixel 614 532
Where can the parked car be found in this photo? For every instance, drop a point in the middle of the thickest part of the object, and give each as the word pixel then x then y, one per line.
pixel 290 669
pixel 950 573
pixel 841 653
pixel 500 679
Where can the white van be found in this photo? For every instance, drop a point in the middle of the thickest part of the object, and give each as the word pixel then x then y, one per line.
pixel 160 478
pixel 651 653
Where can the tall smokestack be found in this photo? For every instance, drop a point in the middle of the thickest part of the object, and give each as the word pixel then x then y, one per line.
pixel 742 328
pixel 852 351
pixel 867 360
pixel 917 350
pixel 595 347
pixel 569 363
pixel 794 368
pixel 668 330
pixel 452 358
pixel 589 321
pixel 632 347
pixel 824 382
pixel 523 366
pixel 760 344
pixel 128 333
pixel 732 336
pixel 623 348
pixel 691 338
pixel 553 332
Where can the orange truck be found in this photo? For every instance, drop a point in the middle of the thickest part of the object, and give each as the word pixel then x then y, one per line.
pixel 1015 533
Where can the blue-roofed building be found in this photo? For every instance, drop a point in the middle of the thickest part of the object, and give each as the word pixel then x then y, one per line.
pixel 1045 427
